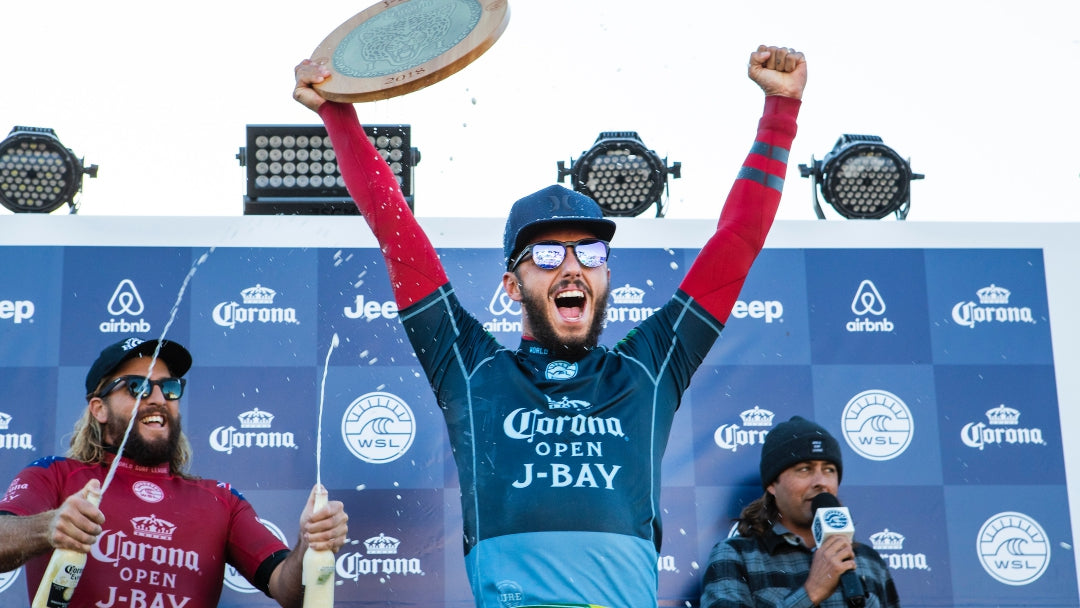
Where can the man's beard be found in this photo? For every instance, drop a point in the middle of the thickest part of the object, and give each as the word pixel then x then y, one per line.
pixel 543 330
pixel 139 450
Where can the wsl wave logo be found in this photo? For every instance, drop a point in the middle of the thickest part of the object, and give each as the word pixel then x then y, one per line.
pixel 7 579
pixel 254 432
pixel 756 423
pixel 503 306
pixel 1003 428
pixel 13 441
pixel 877 425
pixel 378 427
pixel 236 581
pixel 17 310
pixel 890 544
pixel 993 307
pixel 868 301
pixel 380 558
pixel 1013 548
pixel 257 307
pixel 125 301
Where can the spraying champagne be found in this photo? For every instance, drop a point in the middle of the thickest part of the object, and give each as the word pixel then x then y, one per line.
pixel 318 573
pixel 64 569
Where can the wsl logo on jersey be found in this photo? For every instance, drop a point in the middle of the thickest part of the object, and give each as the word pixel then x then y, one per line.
pixel 258 307
pixel 13 441
pixel 378 427
pixel 380 557
pixel 890 544
pixel 1013 548
pixel 17 311
pixel 628 305
pixel 254 432
pixel 877 425
pixel 866 305
pixel 756 424
pixel 127 304
pixel 236 581
pixel 1003 428
pixel 993 307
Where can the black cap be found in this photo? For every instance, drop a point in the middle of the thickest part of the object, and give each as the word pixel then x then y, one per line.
pixel 795 441
pixel 175 356
pixel 552 206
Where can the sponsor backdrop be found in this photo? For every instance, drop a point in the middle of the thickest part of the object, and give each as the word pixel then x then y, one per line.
pixel 934 366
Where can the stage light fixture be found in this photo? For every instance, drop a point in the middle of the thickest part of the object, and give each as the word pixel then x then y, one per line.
pixel 37 173
pixel 293 169
pixel 622 175
pixel 861 178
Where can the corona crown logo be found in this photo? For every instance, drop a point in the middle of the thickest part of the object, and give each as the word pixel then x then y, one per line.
pixel 258 295
pixel 627 295
pixel 757 417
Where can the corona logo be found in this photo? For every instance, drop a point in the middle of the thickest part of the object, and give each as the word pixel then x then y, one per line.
pixel 992 294
pixel 381 557
pixel 255 309
pixel 382 545
pixel 152 527
pixel 887 540
pixel 257 434
pixel 1003 415
pixel 627 295
pixel 1013 548
pixel 378 427
pixel 890 544
pixel 731 437
pixel 13 441
pixel 258 295
pixel 255 419
pixel 628 306
pixel 1003 428
pixel 993 307
pixel 877 425
pixel 757 417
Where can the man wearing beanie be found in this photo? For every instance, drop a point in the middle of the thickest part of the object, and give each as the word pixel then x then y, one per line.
pixel 558 443
pixel 772 559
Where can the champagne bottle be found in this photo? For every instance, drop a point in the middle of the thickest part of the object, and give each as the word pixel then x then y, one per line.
pixel 62 574
pixel 318 572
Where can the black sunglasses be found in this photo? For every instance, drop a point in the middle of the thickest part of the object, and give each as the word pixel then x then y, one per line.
pixel 140 387
pixel 549 255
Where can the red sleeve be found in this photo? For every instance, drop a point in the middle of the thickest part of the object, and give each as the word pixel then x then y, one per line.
pixel 411 260
pixel 718 273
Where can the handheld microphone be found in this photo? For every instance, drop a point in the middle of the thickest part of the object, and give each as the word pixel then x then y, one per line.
pixel 831 519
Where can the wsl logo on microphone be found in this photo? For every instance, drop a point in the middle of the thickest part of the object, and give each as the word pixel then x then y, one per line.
pixel 1013 548
pixel 877 425
pixel 833 519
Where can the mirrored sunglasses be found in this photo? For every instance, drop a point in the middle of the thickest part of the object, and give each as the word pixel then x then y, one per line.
pixel 549 255
pixel 140 387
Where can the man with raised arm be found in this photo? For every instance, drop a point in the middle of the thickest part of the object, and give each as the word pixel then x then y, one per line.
pixel 538 531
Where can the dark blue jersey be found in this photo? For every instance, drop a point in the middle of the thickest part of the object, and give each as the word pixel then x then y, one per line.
pixel 559 462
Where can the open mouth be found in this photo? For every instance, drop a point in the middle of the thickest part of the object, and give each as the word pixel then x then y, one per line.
pixel 571 304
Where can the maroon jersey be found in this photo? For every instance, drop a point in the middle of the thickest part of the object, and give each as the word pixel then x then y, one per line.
pixel 166 540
